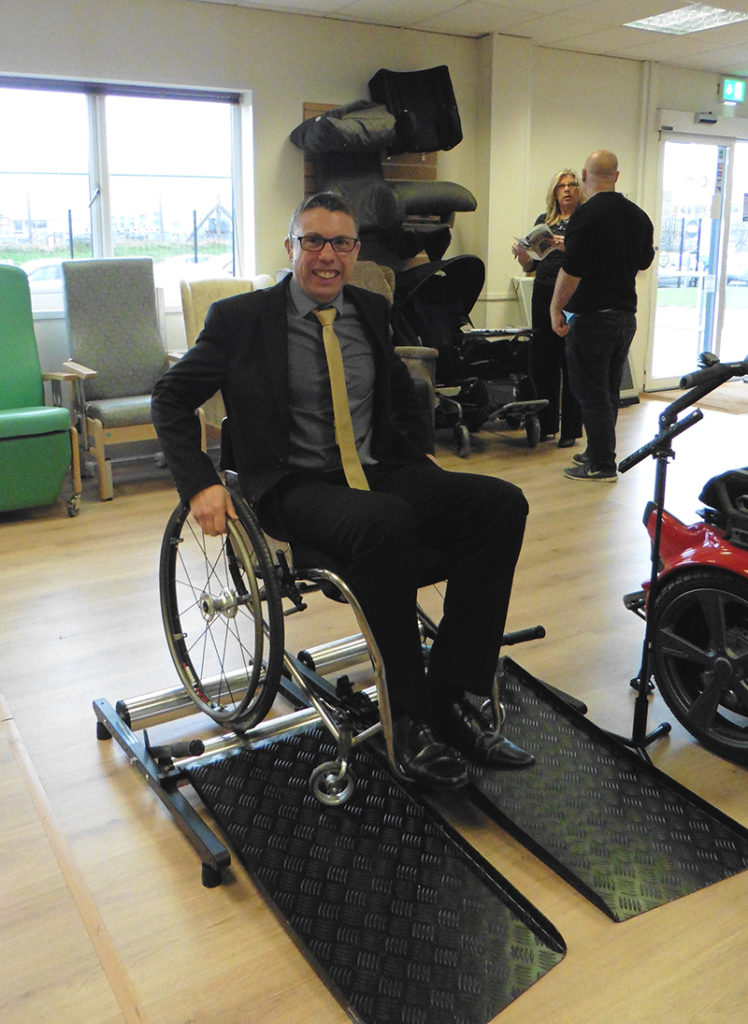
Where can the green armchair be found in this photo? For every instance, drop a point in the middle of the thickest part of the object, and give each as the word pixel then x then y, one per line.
pixel 37 443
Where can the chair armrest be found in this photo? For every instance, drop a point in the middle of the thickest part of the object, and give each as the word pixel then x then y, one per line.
pixel 56 380
pixel 79 371
pixel 417 351
pixel 420 360
pixel 58 376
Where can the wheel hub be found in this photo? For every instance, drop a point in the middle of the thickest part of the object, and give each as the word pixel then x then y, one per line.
pixel 226 604
pixel 722 667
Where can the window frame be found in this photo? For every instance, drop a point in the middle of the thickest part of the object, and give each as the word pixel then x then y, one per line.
pixel 96 94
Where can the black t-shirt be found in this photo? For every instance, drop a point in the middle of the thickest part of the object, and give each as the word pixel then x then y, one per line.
pixel 609 240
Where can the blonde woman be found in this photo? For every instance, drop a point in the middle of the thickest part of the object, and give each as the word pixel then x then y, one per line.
pixel 548 365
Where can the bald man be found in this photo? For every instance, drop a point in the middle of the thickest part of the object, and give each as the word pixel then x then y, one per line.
pixel 608 241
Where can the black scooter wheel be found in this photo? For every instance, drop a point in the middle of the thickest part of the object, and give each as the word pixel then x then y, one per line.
pixel 701 657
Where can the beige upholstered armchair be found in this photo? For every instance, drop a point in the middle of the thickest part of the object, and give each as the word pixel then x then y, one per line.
pixel 197 297
pixel 420 360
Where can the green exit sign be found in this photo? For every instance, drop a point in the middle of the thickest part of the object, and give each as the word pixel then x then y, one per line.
pixel 733 90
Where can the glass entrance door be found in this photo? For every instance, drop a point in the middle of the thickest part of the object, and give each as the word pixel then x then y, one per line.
pixel 688 258
pixel 702 259
pixel 733 337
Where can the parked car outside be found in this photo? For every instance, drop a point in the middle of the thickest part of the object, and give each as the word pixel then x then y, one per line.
pixel 45 282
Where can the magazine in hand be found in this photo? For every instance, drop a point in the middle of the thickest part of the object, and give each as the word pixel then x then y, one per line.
pixel 538 242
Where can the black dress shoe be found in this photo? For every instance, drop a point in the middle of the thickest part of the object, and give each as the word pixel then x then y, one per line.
pixel 567 442
pixel 465 728
pixel 423 758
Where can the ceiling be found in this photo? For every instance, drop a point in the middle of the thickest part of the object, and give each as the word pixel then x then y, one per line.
pixel 587 26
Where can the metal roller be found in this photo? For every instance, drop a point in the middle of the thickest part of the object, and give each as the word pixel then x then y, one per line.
pixel 174 702
pixel 327 659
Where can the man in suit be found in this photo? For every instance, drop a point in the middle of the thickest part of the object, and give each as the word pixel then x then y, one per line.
pixel 264 351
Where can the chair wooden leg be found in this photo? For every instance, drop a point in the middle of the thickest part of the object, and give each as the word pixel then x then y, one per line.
pixel 74 500
pixel 103 465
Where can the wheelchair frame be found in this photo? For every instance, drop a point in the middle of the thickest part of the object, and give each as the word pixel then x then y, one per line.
pixel 227 596
pixel 238 606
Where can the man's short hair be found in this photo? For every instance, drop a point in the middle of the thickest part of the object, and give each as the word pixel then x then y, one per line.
pixel 331 201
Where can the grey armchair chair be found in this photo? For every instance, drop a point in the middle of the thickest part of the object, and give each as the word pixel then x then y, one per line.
pixel 117 353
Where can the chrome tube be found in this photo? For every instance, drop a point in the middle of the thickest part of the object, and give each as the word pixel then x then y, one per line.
pixel 175 702
pixel 330 658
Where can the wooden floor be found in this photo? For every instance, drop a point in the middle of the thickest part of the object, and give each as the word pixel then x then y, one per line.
pixel 103 915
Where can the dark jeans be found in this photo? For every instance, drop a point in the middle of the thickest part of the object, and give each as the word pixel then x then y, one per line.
pixel 549 371
pixel 477 521
pixel 596 348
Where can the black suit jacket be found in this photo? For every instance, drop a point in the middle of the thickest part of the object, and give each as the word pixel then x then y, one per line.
pixel 242 351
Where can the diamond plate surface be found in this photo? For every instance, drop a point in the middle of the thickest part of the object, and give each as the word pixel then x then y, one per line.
pixel 625 834
pixel 405 923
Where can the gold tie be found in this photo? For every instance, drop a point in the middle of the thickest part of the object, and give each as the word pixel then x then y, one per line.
pixel 354 472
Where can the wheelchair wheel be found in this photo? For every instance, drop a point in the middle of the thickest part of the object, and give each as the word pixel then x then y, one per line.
pixel 701 657
pixel 222 615
pixel 532 430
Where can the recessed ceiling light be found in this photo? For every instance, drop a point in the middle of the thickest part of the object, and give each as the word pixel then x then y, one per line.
pixel 691 18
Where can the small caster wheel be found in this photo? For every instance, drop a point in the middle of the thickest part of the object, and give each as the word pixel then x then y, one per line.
pixel 211 876
pixel 488 710
pixel 73 505
pixel 102 733
pixel 532 431
pixel 330 784
pixel 462 437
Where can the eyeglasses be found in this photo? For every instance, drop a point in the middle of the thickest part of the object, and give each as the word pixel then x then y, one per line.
pixel 316 243
pixel 568 184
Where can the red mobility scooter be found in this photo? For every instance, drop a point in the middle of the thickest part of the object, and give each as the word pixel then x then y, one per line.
pixel 696 602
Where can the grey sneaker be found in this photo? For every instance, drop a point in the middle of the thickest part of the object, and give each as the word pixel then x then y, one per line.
pixel 581 459
pixel 585 472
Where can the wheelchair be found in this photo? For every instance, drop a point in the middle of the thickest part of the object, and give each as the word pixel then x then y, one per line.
pixel 223 615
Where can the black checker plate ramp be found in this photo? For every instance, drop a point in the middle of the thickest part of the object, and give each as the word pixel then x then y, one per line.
pixel 626 835
pixel 405 923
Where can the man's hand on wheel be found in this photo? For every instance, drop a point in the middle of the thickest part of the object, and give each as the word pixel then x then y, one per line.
pixel 210 508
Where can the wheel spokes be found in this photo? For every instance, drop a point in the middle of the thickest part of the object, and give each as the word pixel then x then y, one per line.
pixel 712 606
pixel 226 606
pixel 703 711
pixel 676 646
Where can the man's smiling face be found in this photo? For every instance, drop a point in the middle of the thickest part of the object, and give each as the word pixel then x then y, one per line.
pixel 322 274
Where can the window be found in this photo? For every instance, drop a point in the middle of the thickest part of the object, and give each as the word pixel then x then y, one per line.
pixel 43 175
pixel 104 171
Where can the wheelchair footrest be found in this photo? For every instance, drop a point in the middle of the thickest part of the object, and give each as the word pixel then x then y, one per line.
pixel 403 920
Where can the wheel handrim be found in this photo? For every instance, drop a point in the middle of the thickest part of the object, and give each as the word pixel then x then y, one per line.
pixel 214 608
